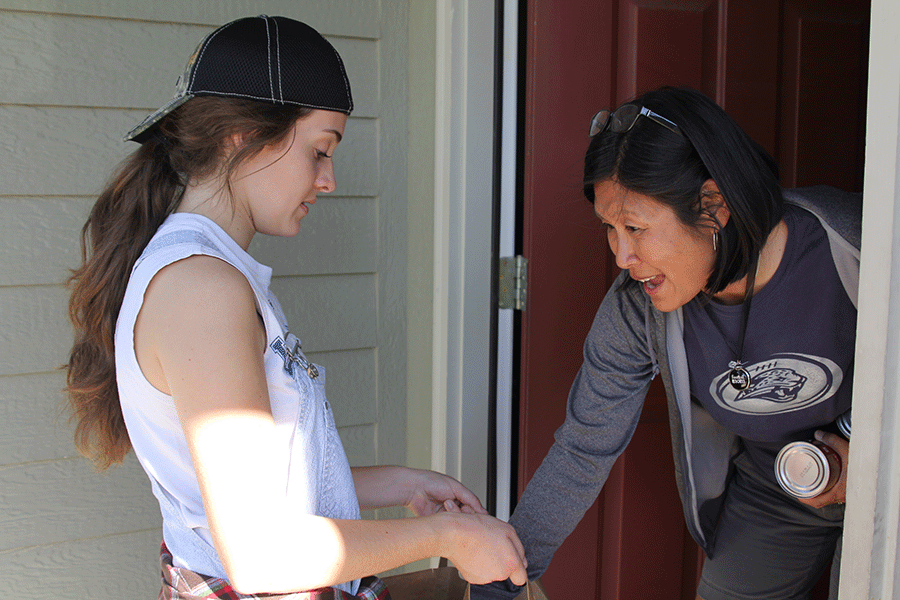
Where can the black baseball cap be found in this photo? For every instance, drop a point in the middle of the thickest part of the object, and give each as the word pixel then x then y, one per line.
pixel 270 59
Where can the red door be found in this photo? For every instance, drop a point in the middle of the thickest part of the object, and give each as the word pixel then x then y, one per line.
pixel 793 74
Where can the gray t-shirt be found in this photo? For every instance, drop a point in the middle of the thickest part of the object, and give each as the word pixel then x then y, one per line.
pixel 798 349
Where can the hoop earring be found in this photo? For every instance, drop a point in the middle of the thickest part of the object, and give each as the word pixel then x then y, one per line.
pixel 715 241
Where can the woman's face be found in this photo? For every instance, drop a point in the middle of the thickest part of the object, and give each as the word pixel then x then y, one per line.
pixel 275 188
pixel 671 260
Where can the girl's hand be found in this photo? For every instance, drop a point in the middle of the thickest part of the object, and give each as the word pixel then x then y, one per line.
pixel 433 492
pixel 423 492
pixel 838 493
pixel 483 549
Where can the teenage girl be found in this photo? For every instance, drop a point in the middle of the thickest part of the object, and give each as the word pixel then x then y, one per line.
pixel 183 354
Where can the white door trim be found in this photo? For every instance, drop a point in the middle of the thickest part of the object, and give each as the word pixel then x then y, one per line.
pixel 463 229
pixel 872 522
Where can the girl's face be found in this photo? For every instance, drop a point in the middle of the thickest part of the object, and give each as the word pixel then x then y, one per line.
pixel 671 260
pixel 274 190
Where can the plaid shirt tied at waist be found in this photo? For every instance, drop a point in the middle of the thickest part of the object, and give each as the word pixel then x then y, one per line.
pixel 182 584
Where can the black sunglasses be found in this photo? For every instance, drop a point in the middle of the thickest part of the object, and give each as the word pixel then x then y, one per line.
pixel 623 118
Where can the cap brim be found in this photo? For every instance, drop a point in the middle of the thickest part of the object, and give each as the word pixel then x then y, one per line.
pixel 144 130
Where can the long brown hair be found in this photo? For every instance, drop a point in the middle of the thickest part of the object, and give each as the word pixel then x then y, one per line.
pixel 189 144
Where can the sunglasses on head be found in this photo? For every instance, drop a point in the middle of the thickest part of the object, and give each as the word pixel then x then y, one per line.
pixel 623 118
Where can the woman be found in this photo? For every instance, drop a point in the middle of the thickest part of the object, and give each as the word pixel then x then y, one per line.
pixel 183 353
pixel 742 296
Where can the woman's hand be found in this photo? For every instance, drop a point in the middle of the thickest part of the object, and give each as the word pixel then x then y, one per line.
pixel 482 548
pixel 838 493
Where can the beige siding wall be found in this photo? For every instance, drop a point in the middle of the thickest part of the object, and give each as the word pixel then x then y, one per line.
pixel 74 76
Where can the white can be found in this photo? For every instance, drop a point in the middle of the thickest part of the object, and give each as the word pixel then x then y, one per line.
pixel 843 424
pixel 807 469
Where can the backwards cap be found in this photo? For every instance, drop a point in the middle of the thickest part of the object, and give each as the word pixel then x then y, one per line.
pixel 269 59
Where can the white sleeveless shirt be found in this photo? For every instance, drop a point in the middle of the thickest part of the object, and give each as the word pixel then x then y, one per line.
pixel 317 477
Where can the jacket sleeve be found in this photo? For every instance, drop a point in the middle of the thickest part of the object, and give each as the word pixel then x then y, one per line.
pixel 603 409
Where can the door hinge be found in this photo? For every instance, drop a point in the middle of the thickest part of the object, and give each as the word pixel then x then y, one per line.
pixel 513 280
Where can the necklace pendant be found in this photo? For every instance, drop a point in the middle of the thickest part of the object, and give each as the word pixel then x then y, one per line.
pixel 739 377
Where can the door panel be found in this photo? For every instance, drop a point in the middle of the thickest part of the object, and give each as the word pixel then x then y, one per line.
pixel 569 57
pixel 743 64
pixel 823 101
pixel 792 74
pixel 659 44
pixel 641 532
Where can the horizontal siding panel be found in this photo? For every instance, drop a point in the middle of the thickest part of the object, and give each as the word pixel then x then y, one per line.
pixel 34 428
pixel 61 151
pixel 359 444
pixel 117 567
pixel 72 151
pixel 361 61
pixel 50 502
pixel 355 18
pixel 35 333
pixel 327 312
pixel 59 60
pixel 350 385
pixel 40 239
pixel 339 235
pixel 356 159
pixel 56 60
pixel 330 313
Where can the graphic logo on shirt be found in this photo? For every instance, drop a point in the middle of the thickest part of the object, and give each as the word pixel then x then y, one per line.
pixel 290 352
pixel 784 383
pixel 281 350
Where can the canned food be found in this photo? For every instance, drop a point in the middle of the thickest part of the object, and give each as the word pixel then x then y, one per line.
pixel 807 469
pixel 843 423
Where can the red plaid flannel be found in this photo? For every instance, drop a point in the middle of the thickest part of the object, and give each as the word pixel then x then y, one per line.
pixel 182 584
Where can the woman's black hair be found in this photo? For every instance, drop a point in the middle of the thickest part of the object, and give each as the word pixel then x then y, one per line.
pixel 651 160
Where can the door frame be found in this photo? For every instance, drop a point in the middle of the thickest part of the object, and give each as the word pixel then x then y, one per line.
pixel 463 319
pixel 872 522
pixel 464 254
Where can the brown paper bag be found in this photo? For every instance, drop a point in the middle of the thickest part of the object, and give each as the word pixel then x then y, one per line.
pixel 534 590
pixel 444 583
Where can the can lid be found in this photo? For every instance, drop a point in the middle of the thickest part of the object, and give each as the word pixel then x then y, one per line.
pixel 802 470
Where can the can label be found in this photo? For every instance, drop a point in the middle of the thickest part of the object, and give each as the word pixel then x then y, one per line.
pixel 834 464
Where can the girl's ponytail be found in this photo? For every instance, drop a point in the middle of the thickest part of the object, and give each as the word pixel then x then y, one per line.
pixel 134 204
